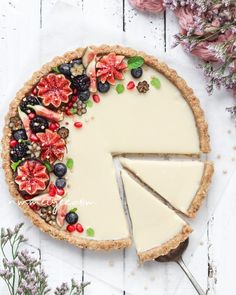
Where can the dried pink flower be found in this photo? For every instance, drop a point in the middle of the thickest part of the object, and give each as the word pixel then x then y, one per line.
pixel 153 6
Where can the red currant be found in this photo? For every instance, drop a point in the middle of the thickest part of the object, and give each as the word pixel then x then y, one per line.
pixel 52 190
pixel 13 143
pixel 31 116
pixel 96 98
pixel 60 191
pixel 130 85
pixel 78 124
pixel 74 98
pixel 70 228
pixel 53 126
pixel 79 228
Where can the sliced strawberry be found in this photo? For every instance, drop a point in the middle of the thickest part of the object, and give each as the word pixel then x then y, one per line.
pixel 54 90
pixel 47 113
pixel 88 56
pixel 53 147
pixel 61 214
pixel 32 177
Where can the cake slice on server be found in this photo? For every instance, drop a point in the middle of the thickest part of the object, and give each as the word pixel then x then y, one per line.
pixel 156 228
pixel 183 184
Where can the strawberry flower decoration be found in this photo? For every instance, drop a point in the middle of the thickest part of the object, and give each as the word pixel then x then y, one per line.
pixel 32 177
pixel 111 67
pixel 52 146
pixel 54 90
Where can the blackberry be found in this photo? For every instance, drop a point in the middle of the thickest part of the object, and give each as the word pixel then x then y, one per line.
pixel 38 124
pixel 19 134
pixel 81 82
pixel 28 100
pixel 19 152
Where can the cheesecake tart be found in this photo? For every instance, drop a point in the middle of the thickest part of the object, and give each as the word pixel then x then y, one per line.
pixel 69 121
pixel 183 184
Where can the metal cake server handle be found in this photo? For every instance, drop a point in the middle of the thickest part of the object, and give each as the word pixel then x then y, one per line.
pixel 176 256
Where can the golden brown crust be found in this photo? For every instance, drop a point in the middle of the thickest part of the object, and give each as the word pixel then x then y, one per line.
pixel 28 86
pixel 167 247
pixel 203 190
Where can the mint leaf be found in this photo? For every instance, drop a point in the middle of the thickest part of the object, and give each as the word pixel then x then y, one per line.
pixel 120 88
pixel 73 210
pixel 70 164
pixel 156 83
pixel 135 62
pixel 90 232
pixel 56 70
pixel 48 166
pixel 14 165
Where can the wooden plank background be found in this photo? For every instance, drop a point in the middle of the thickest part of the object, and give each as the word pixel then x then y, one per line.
pixel 114 273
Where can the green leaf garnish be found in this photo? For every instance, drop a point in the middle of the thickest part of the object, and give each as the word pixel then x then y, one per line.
pixel 73 210
pixel 120 88
pixel 89 103
pixel 156 82
pixel 90 232
pixel 70 164
pixel 135 62
pixel 48 166
pixel 56 70
pixel 14 165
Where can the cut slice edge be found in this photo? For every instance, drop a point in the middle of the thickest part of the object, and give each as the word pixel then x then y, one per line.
pixel 156 229
pixel 182 184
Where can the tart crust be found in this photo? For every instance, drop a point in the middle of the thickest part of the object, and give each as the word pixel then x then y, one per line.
pixel 203 189
pixel 151 61
pixel 166 247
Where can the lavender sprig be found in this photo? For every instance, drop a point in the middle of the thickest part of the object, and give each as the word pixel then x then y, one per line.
pixel 22 272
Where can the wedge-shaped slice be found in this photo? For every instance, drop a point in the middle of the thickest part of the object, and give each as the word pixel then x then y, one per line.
pixel 156 228
pixel 183 184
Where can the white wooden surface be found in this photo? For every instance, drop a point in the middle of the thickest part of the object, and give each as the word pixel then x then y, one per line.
pixel 212 260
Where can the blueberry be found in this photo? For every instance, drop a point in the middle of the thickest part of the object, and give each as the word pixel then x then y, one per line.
pixel 60 182
pixel 65 69
pixel 77 61
pixel 19 134
pixel 72 217
pixel 60 169
pixel 103 87
pixel 137 73
pixel 84 96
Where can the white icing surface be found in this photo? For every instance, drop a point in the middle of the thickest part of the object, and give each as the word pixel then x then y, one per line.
pixel 153 223
pixel 176 181
pixel 159 121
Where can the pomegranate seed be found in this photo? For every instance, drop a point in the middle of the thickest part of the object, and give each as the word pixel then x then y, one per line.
pixel 52 190
pixel 96 98
pixel 78 124
pixel 75 91
pixel 60 191
pixel 67 111
pixel 13 143
pixel 34 206
pixel 70 104
pixel 28 197
pixel 31 116
pixel 131 85
pixel 34 138
pixel 79 228
pixel 34 91
pixel 70 228
pixel 74 98
pixel 53 126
